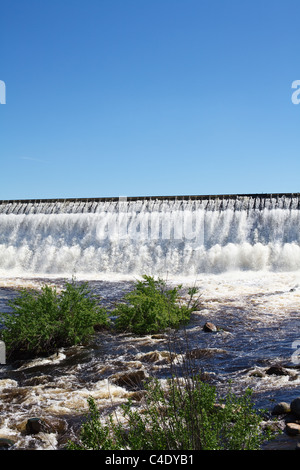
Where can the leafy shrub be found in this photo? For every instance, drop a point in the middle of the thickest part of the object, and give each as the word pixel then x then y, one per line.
pixel 41 322
pixel 152 307
pixel 183 417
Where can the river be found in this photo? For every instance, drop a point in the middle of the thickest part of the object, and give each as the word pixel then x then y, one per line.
pixel 257 315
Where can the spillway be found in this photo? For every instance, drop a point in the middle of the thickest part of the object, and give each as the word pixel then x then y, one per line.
pixel 176 235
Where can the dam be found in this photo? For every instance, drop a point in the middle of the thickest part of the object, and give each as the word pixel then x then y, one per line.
pixel 175 235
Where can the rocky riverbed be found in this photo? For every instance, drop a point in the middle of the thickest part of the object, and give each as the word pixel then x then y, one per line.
pixel 250 342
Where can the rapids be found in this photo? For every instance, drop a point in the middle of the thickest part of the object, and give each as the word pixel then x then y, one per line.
pixel 258 319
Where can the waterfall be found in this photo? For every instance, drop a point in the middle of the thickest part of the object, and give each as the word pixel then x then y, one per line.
pixel 185 235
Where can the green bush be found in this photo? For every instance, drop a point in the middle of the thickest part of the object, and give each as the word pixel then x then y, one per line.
pixel 41 322
pixel 183 417
pixel 152 307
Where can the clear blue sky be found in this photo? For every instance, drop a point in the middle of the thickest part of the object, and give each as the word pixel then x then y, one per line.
pixel 149 97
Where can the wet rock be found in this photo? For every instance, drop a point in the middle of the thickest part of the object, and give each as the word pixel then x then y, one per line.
pixel 158 336
pixel 281 408
pixel 291 418
pixel 36 425
pixel 199 353
pixel 56 425
pixel 209 327
pixel 167 357
pixel 130 379
pixel 292 429
pixel 152 356
pixel 295 407
pixel 293 289
pixel 138 395
pixel 276 370
pixel 257 373
pixel 5 443
pixel 38 380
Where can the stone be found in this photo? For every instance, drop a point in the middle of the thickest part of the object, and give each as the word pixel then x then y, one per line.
pixel 209 327
pixel 55 424
pixel 131 379
pixel 292 429
pixel 152 356
pixel 168 357
pixel 257 373
pixel 281 408
pixel 158 336
pixel 5 443
pixel 138 395
pixel 276 370
pixel 291 418
pixel 35 425
pixel 199 353
pixel 295 407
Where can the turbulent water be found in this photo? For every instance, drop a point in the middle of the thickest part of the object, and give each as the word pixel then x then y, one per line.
pixel 242 253
pixel 179 237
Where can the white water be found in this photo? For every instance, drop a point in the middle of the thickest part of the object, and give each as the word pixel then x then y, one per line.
pixel 180 238
pixel 244 258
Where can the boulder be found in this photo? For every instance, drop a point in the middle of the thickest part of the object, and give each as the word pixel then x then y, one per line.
pixel 56 424
pixel 130 379
pixel 35 425
pixel 152 356
pixel 281 408
pixel 295 407
pixel 5 443
pixel 292 429
pixel 209 327
pixel 276 370
pixel 167 357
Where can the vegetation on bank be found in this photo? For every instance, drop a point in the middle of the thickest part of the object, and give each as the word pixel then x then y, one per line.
pixel 152 307
pixel 183 416
pixel 43 321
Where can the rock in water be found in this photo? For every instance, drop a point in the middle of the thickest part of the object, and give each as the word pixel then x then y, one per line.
pixel 276 370
pixel 209 327
pixel 35 425
pixel 130 379
pixel 295 407
pixel 281 408
pixel 292 429
pixel 5 443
